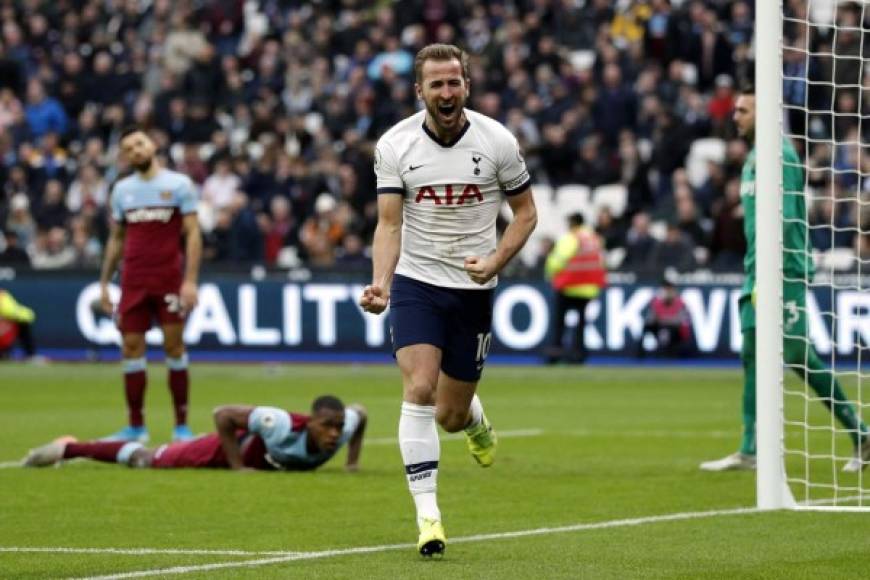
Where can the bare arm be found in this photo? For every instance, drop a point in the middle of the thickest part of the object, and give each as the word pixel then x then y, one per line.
pixel 385 253
pixel 114 248
pixel 354 446
pixel 481 269
pixel 192 258
pixel 228 419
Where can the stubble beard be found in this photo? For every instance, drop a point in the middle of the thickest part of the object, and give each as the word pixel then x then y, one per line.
pixel 435 115
pixel 747 134
pixel 144 166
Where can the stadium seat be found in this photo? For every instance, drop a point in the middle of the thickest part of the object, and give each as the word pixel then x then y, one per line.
pixel 176 152
pixel 645 148
pixel 207 216
pixel 658 229
pixel 570 199
pixel 288 257
pixel 582 59
pixel 702 152
pixel 206 150
pixel 254 149
pixel 613 197
pixel 614 258
pixel 550 221
pixel 543 196
pixel 836 259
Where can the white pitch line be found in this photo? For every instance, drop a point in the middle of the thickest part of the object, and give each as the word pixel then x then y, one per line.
pixel 252 563
pixel 143 551
pixel 650 434
pixel 281 557
pixel 9 464
pixel 462 539
pixel 479 537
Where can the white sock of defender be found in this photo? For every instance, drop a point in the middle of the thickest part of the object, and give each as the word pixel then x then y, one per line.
pixel 475 413
pixel 126 452
pixel 421 450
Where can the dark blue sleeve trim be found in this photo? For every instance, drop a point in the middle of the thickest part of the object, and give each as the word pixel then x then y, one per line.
pixel 519 189
pixel 400 190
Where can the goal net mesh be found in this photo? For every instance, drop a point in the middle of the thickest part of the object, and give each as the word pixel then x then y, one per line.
pixel 826 117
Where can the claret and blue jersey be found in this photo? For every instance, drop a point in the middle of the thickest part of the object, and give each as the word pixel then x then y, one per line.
pixel 286 438
pixel 151 212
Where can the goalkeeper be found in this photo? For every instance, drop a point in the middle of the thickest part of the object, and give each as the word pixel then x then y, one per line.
pixel 797 266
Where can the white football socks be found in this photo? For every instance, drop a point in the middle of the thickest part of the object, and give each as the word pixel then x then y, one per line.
pixel 421 450
pixel 475 413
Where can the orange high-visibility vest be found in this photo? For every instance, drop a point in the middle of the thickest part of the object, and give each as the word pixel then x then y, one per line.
pixel 586 267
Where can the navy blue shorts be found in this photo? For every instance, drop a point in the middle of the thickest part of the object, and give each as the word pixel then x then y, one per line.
pixel 457 321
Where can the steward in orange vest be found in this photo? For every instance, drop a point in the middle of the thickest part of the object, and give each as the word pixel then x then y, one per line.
pixel 575 268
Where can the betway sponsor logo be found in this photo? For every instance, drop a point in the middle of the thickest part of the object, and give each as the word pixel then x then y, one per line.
pixel 150 214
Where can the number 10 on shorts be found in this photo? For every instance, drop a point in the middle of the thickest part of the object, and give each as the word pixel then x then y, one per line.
pixel 484 341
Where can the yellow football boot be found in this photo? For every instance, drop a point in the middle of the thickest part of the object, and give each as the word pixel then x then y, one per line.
pixel 482 442
pixel 432 539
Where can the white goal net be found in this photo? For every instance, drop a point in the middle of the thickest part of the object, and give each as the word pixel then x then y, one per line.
pixel 824 58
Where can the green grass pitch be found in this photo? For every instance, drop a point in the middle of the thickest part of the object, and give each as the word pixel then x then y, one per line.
pixel 581 446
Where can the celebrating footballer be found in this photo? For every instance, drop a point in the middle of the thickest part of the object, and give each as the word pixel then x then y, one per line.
pixel 442 175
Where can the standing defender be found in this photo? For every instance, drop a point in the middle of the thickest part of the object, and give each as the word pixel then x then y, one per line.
pixel 152 209
pixel 441 176
pixel 798 271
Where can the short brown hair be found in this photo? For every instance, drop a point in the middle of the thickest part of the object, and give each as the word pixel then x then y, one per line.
pixel 133 128
pixel 439 52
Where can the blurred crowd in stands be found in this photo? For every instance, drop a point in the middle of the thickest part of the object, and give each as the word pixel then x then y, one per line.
pixel 273 107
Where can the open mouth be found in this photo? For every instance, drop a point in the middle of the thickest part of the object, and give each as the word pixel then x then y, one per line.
pixel 447 109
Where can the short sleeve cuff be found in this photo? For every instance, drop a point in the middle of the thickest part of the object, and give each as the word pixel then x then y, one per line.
pixel 351 423
pixel 270 423
pixel 520 188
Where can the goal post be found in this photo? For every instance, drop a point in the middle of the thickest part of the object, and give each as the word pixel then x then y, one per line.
pixel 771 487
pixel 816 50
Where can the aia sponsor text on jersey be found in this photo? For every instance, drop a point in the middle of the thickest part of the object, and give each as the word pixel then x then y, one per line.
pixel 448 194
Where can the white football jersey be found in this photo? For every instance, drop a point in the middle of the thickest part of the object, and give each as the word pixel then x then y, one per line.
pixel 452 193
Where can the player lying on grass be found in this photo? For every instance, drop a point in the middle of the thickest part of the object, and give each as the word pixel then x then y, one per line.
pixel 247 437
